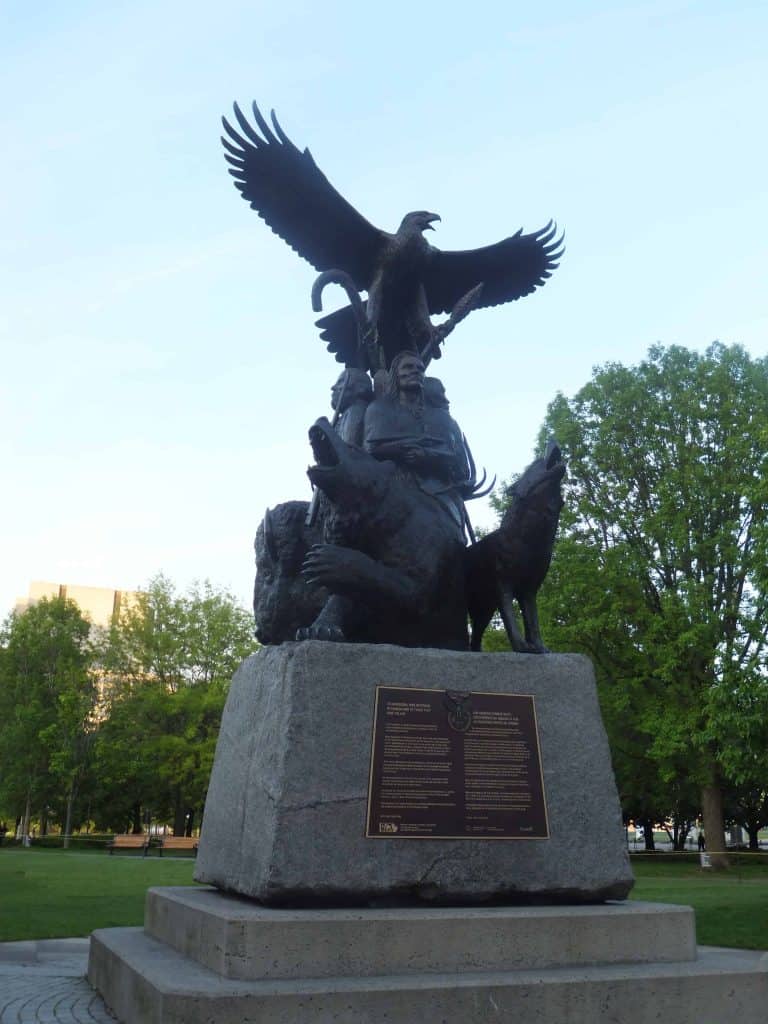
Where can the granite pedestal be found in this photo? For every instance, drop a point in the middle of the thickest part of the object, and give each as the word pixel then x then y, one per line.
pixel 285 814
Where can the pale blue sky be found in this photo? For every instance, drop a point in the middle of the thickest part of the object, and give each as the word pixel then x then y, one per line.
pixel 159 362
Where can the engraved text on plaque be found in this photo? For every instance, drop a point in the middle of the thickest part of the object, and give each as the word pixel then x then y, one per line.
pixel 451 765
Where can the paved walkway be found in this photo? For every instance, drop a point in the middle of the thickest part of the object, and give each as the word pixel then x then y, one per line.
pixel 43 982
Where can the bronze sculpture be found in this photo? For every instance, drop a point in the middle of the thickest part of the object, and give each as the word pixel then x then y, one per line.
pixel 508 566
pixel 282 603
pixel 393 560
pixel 383 542
pixel 408 281
pixel 350 397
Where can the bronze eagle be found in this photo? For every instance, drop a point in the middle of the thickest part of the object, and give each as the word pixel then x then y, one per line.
pixel 407 279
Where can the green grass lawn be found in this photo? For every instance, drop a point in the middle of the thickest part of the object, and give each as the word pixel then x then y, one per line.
pixel 731 907
pixel 47 894
pixel 55 893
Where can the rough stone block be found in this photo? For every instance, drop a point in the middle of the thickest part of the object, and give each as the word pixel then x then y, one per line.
pixel 285 814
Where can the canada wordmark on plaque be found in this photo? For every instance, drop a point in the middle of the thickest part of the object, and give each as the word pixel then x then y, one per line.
pixel 448 764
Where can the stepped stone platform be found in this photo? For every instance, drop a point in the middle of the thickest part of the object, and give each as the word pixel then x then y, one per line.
pixel 206 957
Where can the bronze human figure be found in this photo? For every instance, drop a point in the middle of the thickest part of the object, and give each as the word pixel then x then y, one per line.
pixel 350 396
pixel 420 438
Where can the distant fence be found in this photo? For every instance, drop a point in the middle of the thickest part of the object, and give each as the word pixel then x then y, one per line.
pixel 99 840
pixel 93 841
pixel 738 860
pixel 89 841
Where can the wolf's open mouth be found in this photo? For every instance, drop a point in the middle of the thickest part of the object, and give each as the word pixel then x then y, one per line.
pixel 322 449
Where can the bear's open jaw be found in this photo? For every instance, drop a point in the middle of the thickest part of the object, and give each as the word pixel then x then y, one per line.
pixel 322 449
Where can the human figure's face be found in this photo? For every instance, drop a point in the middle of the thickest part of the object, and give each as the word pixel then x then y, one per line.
pixel 336 391
pixel 410 374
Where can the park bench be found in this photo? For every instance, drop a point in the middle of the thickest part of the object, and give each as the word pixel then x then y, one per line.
pixel 129 842
pixel 178 843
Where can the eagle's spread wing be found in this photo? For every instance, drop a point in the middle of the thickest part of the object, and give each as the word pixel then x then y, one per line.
pixel 294 197
pixel 339 332
pixel 507 270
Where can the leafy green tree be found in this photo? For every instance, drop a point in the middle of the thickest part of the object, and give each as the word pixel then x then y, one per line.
pixel 747 806
pixel 47 701
pixel 660 571
pixel 745 756
pixel 126 775
pixel 168 660
pixel 178 640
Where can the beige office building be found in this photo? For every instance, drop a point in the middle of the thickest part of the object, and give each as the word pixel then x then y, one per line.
pixel 100 604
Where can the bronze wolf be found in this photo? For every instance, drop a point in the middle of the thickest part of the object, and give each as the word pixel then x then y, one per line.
pixel 509 565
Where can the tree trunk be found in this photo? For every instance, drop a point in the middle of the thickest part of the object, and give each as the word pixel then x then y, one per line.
pixel 650 843
pixel 25 820
pixel 68 821
pixel 178 814
pixel 753 831
pixel 136 829
pixel 682 831
pixel 190 821
pixel 714 828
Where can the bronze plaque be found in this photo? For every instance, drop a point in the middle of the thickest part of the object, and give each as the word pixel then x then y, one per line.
pixel 453 765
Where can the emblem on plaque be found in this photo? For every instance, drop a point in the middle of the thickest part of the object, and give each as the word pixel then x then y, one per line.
pixel 457 703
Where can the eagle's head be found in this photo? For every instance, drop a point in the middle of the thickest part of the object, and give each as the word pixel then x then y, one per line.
pixel 419 220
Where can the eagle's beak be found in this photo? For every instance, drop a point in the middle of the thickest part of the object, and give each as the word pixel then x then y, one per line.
pixel 432 217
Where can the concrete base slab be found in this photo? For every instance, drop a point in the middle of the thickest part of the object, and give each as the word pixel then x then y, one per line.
pixel 145 982
pixel 237 938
